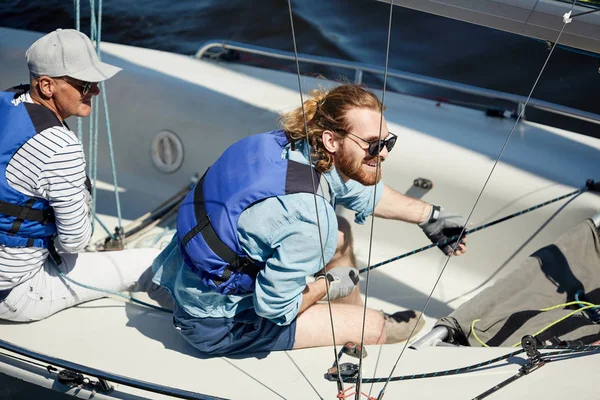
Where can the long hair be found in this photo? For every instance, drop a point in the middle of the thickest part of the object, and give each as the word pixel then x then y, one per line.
pixel 326 110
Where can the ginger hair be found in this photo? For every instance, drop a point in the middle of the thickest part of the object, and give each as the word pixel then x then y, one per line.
pixel 326 110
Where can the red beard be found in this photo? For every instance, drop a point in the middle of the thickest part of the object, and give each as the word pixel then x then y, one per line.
pixel 357 169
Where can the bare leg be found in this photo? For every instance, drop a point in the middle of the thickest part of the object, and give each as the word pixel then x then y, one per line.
pixel 313 326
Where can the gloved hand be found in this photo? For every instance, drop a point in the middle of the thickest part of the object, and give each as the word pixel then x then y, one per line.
pixel 342 281
pixel 441 226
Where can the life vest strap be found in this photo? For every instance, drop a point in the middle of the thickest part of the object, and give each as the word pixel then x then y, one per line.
pixel 14 210
pixel 236 263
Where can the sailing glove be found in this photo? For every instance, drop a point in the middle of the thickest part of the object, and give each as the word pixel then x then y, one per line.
pixel 342 281
pixel 440 227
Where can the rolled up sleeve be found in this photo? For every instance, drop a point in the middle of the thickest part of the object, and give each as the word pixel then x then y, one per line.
pixel 284 233
pixel 361 199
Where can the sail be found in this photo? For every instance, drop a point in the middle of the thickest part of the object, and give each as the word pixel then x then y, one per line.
pixel 540 19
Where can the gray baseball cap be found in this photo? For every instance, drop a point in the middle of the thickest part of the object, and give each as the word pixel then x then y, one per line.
pixel 67 52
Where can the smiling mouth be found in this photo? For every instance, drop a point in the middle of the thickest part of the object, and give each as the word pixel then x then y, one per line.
pixel 372 163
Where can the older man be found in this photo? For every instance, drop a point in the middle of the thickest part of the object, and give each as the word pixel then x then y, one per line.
pixel 43 195
pixel 253 230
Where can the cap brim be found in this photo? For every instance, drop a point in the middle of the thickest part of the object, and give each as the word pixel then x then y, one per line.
pixel 98 73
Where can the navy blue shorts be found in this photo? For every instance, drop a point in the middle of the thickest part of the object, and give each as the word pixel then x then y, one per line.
pixel 243 334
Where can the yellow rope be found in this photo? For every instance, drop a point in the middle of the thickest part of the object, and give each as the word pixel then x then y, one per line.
pixel 475 335
pixel 584 303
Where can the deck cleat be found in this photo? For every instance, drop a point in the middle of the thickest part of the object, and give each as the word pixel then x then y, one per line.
pixel 354 350
pixel 347 370
pixel 529 344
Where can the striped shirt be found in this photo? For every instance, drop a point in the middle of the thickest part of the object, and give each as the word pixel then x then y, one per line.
pixel 50 165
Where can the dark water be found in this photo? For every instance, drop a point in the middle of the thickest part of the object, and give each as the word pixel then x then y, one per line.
pixel 348 29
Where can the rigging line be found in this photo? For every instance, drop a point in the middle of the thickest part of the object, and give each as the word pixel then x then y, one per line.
pixel 77 6
pixel 584 13
pixel 482 190
pixel 100 374
pixel 375 370
pixel 310 162
pixel 287 353
pixel 377 171
pixel 565 351
pixel 47 367
pixel 532 11
pixel 251 377
pixel 476 229
pixel 114 293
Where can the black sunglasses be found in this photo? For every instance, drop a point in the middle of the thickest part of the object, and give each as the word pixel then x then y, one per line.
pixel 375 146
pixel 85 86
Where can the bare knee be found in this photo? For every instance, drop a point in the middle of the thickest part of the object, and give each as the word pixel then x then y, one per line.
pixel 377 328
pixel 344 235
pixel 344 253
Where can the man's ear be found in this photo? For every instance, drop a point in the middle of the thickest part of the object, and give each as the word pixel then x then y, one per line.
pixel 46 86
pixel 329 142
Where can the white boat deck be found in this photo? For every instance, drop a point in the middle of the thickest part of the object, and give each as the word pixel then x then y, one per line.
pixel 454 147
pixel 133 341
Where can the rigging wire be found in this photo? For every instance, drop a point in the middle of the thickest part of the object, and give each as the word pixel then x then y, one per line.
pixel 377 171
pixel 310 162
pixel 522 111
pixel 589 186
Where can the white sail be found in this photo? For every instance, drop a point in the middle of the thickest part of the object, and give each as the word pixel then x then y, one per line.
pixel 540 19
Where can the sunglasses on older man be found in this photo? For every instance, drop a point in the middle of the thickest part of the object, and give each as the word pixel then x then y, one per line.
pixel 85 86
pixel 375 146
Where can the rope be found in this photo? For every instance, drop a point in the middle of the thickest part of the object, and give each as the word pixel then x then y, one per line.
pixel 473 230
pixel 480 194
pixel 77 6
pixel 476 367
pixel 586 305
pixel 129 298
pixel 377 170
pixel 95 37
pixel 104 227
pixel 112 155
pixel 340 382
pixel 107 119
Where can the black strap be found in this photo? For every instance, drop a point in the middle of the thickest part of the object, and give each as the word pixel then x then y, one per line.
pixel 16 225
pixel 203 226
pixel 14 210
pixel 53 253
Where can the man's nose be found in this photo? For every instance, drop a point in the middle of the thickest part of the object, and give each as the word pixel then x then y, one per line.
pixel 384 153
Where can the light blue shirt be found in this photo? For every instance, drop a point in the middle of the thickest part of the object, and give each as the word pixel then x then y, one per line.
pixel 282 232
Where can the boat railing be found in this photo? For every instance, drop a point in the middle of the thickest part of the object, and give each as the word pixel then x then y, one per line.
pixel 216 48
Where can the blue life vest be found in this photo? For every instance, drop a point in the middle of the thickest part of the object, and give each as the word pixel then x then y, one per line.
pixel 248 172
pixel 24 221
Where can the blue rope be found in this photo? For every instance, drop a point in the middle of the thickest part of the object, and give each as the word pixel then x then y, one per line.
pixel 104 227
pixel 95 36
pixel 112 154
pixel 129 298
pixel 99 30
pixel 475 367
pixel 78 27
pixel 594 312
pixel 77 15
pixel 469 231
